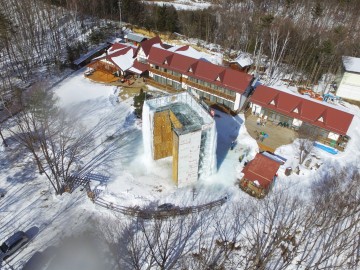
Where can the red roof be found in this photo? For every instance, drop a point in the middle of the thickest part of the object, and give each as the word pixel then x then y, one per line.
pixel 119 52
pixel 117 46
pixel 299 107
pixel 180 63
pixel 157 56
pixel 261 169
pixel 140 66
pixel 147 44
pixel 234 80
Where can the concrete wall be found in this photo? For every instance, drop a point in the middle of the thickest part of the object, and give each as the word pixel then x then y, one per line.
pixel 188 158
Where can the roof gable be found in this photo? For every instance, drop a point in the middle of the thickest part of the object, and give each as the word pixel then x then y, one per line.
pixel 147 44
pixel 310 111
pixel 116 47
pixel 233 80
pixel 157 56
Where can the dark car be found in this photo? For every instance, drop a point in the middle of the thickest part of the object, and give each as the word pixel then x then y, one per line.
pixel 166 206
pixel 12 244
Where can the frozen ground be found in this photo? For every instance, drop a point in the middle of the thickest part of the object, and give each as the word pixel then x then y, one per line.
pixel 126 177
pixel 184 4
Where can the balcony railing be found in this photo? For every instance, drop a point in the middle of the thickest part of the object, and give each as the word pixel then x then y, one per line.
pixel 165 74
pixel 209 90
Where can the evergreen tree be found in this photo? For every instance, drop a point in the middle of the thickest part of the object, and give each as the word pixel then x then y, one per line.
pixel 139 102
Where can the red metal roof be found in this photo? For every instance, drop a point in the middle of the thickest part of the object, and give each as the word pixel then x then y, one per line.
pixel 261 169
pixel 180 63
pixel 234 80
pixel 117 46
pixel 147 44
pixel 140 66
pixel 157 56
pixel 309 111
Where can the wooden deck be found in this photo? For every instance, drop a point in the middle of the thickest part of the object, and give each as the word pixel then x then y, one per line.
pixel 102 77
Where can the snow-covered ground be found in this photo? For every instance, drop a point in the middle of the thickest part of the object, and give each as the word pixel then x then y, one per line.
pixel 183 4
pixel 124 175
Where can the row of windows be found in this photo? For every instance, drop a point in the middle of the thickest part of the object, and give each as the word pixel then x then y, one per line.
pixel 165 81
pixel 274 116
pixel 201 82
pixel 174 73
pixel 212 98
pixel 213 86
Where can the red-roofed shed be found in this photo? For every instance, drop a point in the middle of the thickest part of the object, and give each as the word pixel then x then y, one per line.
pixel 259 175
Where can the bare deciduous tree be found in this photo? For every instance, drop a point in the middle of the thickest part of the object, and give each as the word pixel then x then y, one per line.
pixel 307 135
pixel 50 135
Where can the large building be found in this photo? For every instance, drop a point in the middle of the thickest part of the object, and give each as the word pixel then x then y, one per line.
pixel 177 126
pixel 203 79
pixel 349 87
pixel 119 60
pixel 329 123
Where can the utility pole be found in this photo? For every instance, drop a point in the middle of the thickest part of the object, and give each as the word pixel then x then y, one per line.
pixel 119 3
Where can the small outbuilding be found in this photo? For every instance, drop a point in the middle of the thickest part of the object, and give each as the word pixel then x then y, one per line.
pixel 85 59
pixel 349 87
pixel 135 39
pixel 243 62
pixel 259 175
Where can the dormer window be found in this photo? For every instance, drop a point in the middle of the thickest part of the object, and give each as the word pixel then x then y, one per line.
pixel 296 110
pixel 272 102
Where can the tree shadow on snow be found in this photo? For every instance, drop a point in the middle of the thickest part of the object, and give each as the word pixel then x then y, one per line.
pixel 227 128
pixel 27 173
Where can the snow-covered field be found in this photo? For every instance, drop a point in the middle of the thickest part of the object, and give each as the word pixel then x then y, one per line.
pixel 127 178
pixel 183 4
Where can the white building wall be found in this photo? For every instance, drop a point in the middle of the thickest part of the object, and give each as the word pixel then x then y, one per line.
pixel 349 86
pixel 189 153
pixel 237 102
pixel 141 57
pixel 255 109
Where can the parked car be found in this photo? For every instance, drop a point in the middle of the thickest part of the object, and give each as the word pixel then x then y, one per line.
pixel 12 244
pixel 166 206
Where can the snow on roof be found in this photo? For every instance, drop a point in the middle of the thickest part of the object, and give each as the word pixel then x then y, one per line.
pixel 351 64
pixel 303 108
pixel 124 61
pixel 117 46
pixel 188 51
pixel 244 60
pixel 191 52
pixel 135 37
pixel 138 68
